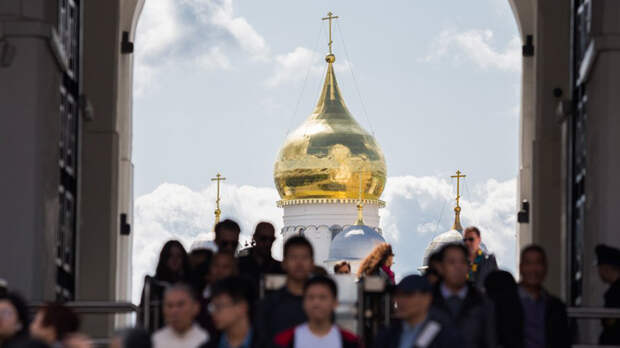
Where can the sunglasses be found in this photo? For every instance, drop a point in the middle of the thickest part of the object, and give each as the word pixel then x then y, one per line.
pixel 228 243
pixel 465 240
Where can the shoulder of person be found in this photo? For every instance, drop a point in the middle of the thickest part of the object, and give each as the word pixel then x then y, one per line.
pixel 163 332
pixel 348 336
pixel 285 338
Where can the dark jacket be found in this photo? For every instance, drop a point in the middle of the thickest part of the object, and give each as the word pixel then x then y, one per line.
pixel 251 269
pixel 276 313
pixel 557 330
pixel 286 339
pixel 611 327
pixel 448 337
pixel 214 342
pixel 488 265
pixel 475 320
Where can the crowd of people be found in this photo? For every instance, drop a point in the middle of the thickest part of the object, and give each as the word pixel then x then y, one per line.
pixel 211 299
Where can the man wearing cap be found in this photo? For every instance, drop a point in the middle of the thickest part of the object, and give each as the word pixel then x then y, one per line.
pixel 609 272
pixel 416 327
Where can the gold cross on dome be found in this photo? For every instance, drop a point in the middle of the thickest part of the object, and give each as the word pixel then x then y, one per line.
pixel 219 178
pixel 329 17
pixel 458 177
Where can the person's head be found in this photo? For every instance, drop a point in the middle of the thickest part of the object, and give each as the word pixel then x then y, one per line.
pixel 320 298
pixel 533 266
pixel 413 297
pixel 471 238
pixel 381 255
pixel 223 265
pixel 227 236
pixel 500 284
pixel 13 316
pixel 298 258
pixel 180 307
pixel 454 266
pixel 432 272
pixel 342 267
pixel 232 301
pixel 608 261
pixel 131 338
pixel 173 262
pixel 199 257
pixel 264 236
pixel 54 322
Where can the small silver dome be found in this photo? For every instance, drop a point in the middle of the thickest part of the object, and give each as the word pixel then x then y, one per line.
pixel 354 243
pixel 452 236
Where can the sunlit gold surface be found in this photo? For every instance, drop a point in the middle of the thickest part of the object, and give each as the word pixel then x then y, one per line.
pixel 327 154
pixel 457 210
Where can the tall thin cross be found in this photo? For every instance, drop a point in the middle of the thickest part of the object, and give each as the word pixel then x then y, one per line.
pixel 218 212
pixel 458 177
pixel 329 17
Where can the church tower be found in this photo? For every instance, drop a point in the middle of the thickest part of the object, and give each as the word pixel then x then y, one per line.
pixel 321 167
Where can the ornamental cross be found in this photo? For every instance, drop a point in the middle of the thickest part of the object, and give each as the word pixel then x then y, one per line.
pixel 329 17
pixel 458 177
pixel 219 178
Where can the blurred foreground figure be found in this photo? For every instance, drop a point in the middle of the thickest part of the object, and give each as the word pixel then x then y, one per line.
pixel 502 289
pixel 480 263
pixel 609 271
pixel 227 236
pixel 320 300
pixel 53 324
pixel 416 327
pixel 180 310
pixel 470 311
pixel 231 306
pixel 259 261
pixel 283 308
pixel 13 319
pixel 545 318
pixel 131 338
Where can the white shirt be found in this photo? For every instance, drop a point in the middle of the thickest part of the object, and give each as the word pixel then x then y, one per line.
pixel 168 338
pixel 304 338
pixel 447 293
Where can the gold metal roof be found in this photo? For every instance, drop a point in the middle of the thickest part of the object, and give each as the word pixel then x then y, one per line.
pixel 327 154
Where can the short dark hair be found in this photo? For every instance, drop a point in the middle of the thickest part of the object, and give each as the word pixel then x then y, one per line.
pixel 458 246
pixel 227 224
pixel 472 229
pixel 297 241
pixel 536 249
pixel 237 287
pixel 264 226
pixel 322 280
pixel 61 318
pixel 341 264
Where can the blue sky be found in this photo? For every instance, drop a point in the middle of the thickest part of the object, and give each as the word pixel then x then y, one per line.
pixel 220 83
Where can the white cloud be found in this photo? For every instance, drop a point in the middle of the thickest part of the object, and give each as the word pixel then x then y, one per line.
pixel 297 64
pixel 410 220
pixel 476 45
pixel 201 33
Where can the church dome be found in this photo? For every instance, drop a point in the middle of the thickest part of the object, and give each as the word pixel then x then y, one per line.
pixel 354 243
pixel 452 236
pixel 326 155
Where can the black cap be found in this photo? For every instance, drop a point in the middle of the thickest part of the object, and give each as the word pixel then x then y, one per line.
pixel 607 255
pixel 414 283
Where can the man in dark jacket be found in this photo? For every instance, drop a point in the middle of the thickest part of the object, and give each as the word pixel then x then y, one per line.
pixel 609 271
pixel 480 263
pixel 259 261
pixel 416 327
pixel 283 309
pixel 466 307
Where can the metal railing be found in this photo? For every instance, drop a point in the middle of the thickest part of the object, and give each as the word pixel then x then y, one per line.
pixel 592 312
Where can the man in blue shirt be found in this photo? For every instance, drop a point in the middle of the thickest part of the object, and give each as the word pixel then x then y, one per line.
pixel 230 307
pixel 416 326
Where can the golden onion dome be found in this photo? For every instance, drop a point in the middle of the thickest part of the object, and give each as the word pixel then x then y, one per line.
pixel 325 156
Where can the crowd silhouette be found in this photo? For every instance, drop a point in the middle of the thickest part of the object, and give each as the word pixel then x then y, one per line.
pixel 220 299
